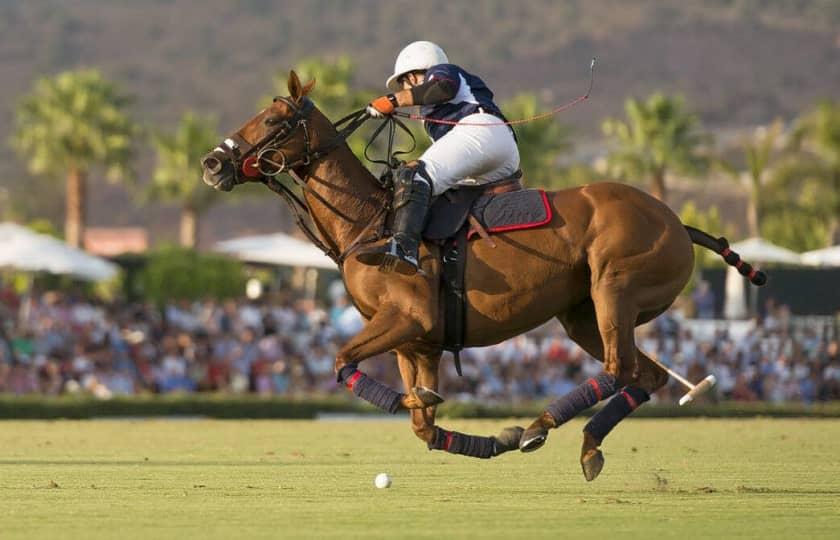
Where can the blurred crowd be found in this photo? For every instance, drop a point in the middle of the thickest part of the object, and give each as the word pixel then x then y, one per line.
pixel 771 359
pixel 60 344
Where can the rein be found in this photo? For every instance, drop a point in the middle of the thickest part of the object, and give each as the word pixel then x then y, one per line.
pixel 261 160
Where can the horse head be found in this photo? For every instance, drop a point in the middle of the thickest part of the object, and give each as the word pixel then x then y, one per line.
pixel 276 140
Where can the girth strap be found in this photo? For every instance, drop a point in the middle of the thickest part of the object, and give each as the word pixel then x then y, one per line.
pixel 453 292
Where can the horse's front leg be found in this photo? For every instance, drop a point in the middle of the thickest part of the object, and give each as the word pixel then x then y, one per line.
pixel 419 369
pixel 386 330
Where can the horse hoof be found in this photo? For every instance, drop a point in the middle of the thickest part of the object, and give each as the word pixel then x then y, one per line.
pixel 428 396
pixel 533 439
pixel 592 462
pixel 508 439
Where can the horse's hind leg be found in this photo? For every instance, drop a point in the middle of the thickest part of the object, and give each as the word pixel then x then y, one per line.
pixel 582 327
pixel 617 315
pixel 419 369
pixel 651 378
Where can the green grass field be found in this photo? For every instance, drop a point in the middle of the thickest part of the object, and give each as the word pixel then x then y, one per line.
pixel 303 479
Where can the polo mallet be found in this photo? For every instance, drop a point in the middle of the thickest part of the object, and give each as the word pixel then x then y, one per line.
pixel 694 390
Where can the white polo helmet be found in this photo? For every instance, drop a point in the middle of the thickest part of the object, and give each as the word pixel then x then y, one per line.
pixel 417 55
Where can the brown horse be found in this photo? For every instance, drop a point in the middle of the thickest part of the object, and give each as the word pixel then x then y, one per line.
pixel 611 258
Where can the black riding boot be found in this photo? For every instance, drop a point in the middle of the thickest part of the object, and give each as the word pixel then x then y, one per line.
pixel 411 203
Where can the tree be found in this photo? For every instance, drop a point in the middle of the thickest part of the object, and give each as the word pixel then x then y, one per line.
pixel 761 152
pixel 334 91
pixel 708 220
pixel 813 175
pixel 177 175
pixel 172 273
pixel 70 124
pixel 658 137
pixel 540 142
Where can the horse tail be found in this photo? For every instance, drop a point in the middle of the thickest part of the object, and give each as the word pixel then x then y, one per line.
pixel 721 247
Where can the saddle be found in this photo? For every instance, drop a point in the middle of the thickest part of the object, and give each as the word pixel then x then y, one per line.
pixel 455 218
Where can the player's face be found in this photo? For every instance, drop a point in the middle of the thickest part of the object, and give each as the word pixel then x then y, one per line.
pixel 412 79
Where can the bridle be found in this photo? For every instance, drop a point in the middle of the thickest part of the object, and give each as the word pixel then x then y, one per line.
pixel 260 161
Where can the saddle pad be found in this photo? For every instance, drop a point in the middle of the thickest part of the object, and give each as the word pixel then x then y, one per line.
pixel 525 209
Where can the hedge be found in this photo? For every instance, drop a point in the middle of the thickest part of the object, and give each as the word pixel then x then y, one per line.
pixel 249 406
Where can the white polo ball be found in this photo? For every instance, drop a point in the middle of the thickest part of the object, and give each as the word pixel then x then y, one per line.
pixel 382 481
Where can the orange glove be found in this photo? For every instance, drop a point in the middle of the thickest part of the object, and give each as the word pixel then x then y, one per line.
pixel 382 106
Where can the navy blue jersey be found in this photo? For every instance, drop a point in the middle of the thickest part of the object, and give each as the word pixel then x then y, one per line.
pixel 471 95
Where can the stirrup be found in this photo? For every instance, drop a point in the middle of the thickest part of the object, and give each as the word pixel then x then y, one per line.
pixel 387 257
pixel 405 265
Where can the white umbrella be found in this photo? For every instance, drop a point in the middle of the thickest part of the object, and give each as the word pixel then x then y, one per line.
pixel 735 303
pixel 26 250
pixel 759 250
pixel 755 251
pixel 823 257
pixel 278 249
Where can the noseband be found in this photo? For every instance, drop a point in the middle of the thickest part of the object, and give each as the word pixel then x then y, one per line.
pixel 261 158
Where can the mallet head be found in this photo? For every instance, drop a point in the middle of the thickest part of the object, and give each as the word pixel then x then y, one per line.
pixel 700 388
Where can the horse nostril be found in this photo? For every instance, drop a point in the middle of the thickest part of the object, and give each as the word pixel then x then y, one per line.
pixel 212 164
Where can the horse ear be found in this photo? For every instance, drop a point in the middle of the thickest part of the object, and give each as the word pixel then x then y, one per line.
pixel 295 88
pixel 308 87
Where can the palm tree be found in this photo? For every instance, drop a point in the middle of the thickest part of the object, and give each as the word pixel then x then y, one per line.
pixel 333 92
pixel 659 136
pixel 70 124
pixel 177 175
pixel 761 152
pixel 540 142
pixel 817 169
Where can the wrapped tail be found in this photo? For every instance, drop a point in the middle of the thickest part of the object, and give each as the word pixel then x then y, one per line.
pixel 721 247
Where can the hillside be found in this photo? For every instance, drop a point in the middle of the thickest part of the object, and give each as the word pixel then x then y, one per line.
pixel 739 62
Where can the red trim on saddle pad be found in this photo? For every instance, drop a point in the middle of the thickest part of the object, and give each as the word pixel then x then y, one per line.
pixel 353 378
pixel 520 226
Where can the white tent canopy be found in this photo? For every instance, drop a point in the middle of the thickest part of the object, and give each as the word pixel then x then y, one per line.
pixel 25 250
pixel 759 250
pixel 823 257
pixel 278 249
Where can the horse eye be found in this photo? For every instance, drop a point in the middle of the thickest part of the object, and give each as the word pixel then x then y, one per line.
pixel 271 121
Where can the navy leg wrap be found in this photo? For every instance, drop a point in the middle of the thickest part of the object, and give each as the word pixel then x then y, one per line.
pixel 581 398
pixel 615 411
pixel 370 389
pixel 461 443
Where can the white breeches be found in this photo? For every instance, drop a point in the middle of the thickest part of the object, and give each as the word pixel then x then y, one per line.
pixel 472 154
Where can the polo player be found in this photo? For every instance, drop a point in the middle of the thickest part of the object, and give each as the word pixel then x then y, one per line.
pixel 470 144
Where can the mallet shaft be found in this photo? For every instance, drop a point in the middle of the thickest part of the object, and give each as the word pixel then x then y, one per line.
pixel 673 374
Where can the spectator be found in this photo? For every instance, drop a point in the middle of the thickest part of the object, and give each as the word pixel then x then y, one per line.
pixel 704 300
pixel 286 346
